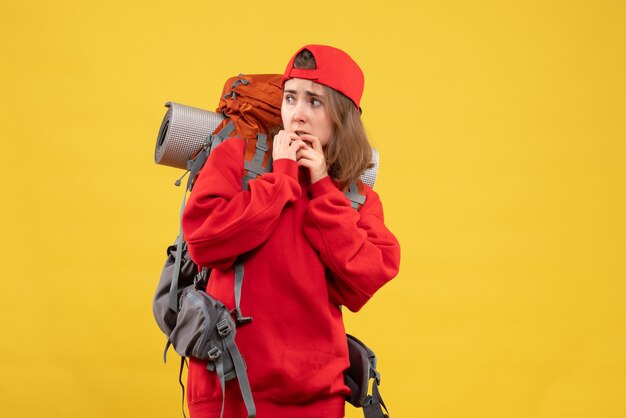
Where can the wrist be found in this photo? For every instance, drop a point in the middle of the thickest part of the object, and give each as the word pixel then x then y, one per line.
pixel 317 177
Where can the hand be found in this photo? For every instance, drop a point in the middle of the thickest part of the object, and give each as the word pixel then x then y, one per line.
pixel 286 145
pixel 312 157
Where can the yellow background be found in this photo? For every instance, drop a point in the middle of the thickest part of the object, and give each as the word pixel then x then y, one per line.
pixel 501 127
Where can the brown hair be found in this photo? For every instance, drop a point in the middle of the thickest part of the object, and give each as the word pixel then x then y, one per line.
pixel 348 153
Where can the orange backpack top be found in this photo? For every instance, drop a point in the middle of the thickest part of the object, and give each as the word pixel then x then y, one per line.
pixel 251 104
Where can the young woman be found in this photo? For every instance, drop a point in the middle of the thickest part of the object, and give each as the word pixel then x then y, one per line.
pixel 307 251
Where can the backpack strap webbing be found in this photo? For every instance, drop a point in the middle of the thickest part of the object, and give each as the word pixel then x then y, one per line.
pixel 241 320
pixel 240 368
pixel 195 165
pixel 217 357
pixel 374 404
pixel 222 135
pixel 356 198
pixel 255 167
pixel 373 407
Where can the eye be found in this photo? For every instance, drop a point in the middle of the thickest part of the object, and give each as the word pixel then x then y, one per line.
pixel 289 98
pixel 316 102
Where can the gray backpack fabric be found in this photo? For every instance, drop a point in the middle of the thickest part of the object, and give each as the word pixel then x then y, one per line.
pixel 187 271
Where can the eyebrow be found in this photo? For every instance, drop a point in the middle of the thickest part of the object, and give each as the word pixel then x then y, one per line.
pixel 307 92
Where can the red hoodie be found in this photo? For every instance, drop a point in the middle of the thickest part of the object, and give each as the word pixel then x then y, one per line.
pixel 307 251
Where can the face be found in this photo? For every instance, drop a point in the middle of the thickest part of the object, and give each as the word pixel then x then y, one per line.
pixel 304 109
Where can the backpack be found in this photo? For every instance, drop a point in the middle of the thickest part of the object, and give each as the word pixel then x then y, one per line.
pixel 195 323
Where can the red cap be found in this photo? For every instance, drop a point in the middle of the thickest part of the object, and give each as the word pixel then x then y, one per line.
pixel 335 69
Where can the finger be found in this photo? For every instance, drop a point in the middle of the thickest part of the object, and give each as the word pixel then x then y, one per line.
pixel 285 136
pixel 306 152
pixel 279 139
pixel 314 141
pixel 304 162
pixel 291 135
pixel 309 146
pixel 314 154
pixel 298 145
pixel 309 162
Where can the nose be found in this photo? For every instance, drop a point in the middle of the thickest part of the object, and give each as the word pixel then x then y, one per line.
pixel 299 112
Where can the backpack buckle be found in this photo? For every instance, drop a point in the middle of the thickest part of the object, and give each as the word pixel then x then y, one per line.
pixel 223 328
pixel 214 353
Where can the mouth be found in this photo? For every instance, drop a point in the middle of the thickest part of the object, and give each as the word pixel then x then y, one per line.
pixel 300 133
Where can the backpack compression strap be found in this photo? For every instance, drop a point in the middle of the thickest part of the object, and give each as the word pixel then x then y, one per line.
pixel 217 357
pixel 372 407
pixel 255 167
pixel 240 367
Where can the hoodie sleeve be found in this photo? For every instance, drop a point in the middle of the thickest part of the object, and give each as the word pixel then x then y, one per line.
pixel 222 221
pixel 356 246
